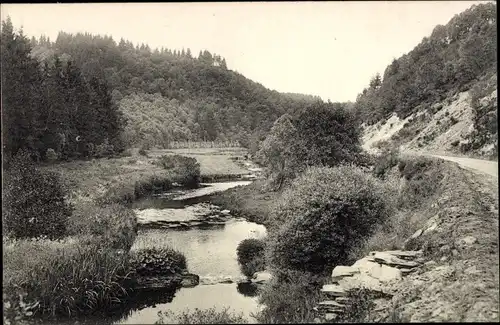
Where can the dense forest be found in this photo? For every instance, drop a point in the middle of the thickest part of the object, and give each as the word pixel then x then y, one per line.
pixel 51 109
pixel 170 95
pixel 86 95
pixel 450 60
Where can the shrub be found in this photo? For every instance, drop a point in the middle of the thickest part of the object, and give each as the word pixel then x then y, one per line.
pixel 51 155
pixel 387 159
pixel 455 143
pixel 69 280
pixel 113 226
pixel 323 215
pixel 289 298
pixel 453 120
pixel 423 176
pixel 143 152
pixel 34 201
pixel 157 261
pixel 104 149
pixel 358 306
pixel 185 170
pixel 250 254
pixel 207 316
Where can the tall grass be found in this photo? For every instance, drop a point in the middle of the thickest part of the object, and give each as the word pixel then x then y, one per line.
pixel 207 316
pixel 70 280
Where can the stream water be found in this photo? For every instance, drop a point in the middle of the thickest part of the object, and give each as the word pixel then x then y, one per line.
pixel 210 253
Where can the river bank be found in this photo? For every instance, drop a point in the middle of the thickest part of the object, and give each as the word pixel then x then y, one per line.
pixel 94 223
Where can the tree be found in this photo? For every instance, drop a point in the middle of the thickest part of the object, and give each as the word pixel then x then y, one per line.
pixel 277 151
pixel 328 135
pixel 376 82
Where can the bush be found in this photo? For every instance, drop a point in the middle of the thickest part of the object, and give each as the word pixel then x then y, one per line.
pixel 113 226
pixel 65 280
pixel 34 201
pixel 51 155
pixel 289 298
pixel 250 254
pixel 157 261
pixel 423 176
pixel 104 149
pixel 358 307
pixel 185 170
pixel 323 215
pixel 207 316
pixel 387 159
pixel 143 152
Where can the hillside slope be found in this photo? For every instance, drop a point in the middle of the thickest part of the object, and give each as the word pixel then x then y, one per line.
pixel 447 127
pixel 442 95
pixel 171 95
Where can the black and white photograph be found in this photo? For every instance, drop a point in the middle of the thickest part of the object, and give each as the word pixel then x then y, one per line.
pixel 265 162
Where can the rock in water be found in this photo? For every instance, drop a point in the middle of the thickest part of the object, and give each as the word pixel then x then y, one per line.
pixel 190 280
pixel 261 277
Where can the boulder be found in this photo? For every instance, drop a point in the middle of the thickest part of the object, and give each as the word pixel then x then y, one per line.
pixel 362 280
pixel 331 303
pixel 261 277
pixel 342 271
pixel 467 241
pixel 391 260
pixel 334 290
pixel 190 280
pixel 330 316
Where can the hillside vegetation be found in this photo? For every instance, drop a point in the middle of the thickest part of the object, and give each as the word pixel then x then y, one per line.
pixel 172 95
pixel 450 77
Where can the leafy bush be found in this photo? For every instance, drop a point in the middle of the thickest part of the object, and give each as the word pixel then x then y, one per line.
pixel 358 306
pixel 64 280
pixel 207 316
pixel 386 160
pixel 34 201
pixel 114 226
pixel 185 170
pixel 157 261
pixel 51 155
pixel 104 149
pixel 250 254
pixel 422 176
pixel 143 152
pixel 289 298
pixel 125 193
pixel 324 214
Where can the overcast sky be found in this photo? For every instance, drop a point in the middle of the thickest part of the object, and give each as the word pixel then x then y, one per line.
pixel 330 49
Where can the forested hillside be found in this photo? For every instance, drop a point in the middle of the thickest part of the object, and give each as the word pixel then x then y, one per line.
pixel 450 60
pixel 51 109
pixel 170 95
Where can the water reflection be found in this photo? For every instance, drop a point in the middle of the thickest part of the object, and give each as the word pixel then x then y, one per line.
pixel 247 289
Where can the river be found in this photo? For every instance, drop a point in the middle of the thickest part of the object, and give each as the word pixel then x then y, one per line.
pixel 210 251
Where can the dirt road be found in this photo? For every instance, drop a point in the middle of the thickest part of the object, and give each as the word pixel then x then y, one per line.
pixel 478 165
pixel 485 166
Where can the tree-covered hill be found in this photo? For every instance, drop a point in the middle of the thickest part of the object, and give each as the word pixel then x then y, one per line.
pixel 170 95
pixel 450 60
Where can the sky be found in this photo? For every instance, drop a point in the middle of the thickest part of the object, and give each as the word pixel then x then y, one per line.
pixel 329 49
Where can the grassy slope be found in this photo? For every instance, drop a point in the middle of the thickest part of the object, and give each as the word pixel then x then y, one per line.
pixel 462 284
pixel 88 179
pixel 253 202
